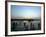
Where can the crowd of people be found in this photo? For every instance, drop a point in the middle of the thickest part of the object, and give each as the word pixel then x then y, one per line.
pixel 26 27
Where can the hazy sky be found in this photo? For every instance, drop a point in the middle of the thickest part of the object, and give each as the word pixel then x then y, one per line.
pixel 25 11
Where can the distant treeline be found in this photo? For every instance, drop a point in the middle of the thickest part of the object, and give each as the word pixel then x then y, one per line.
pixel 25 19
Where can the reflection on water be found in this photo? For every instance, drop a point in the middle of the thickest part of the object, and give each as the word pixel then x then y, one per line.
pixel 25 25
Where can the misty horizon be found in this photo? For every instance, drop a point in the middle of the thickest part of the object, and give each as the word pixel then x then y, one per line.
pixel 24 18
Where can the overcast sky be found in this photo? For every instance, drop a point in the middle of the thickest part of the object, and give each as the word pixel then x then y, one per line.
pixel 25 11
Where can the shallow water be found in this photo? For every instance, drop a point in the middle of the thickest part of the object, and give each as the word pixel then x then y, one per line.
pixel 28 26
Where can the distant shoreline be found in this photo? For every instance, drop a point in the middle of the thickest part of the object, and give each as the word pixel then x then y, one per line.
pixel 25 19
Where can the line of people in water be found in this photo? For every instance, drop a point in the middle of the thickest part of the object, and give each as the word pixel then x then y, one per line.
pixel 13 26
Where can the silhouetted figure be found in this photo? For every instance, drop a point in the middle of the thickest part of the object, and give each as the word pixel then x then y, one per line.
pixel 14 26
pixel 25 27
pixel 39 26
pixel 31 26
